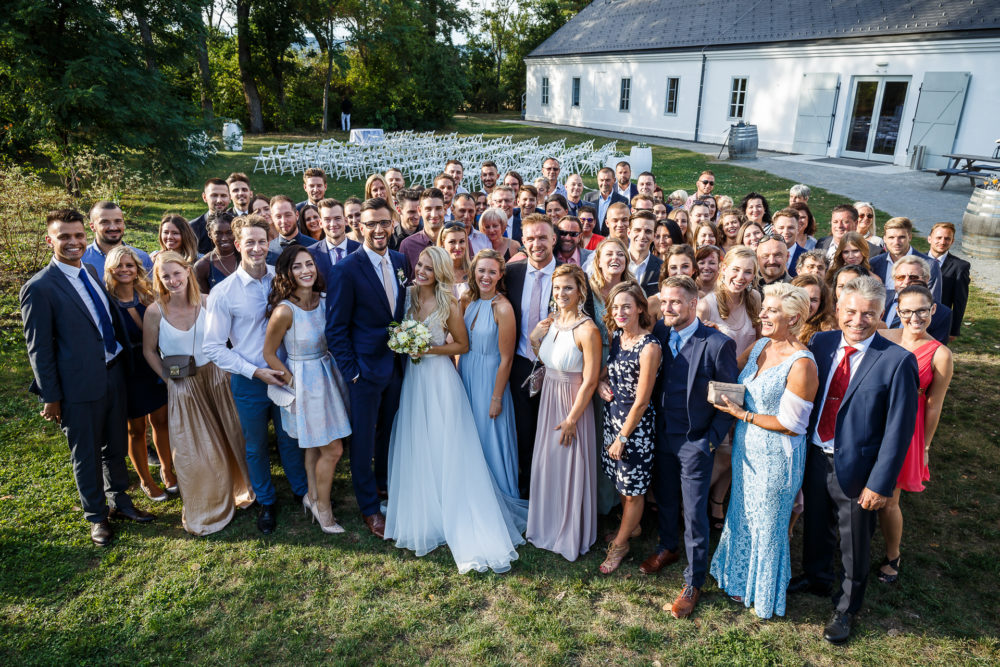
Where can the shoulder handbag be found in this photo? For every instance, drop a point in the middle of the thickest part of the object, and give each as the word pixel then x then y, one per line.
pixel 533 383
pixel 177 366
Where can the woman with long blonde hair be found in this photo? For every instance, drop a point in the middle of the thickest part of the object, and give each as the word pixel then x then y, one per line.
pixel 132 293
pixel 208 446
pixel 440 486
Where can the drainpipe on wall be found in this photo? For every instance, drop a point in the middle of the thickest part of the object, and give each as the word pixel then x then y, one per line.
pixel 701 91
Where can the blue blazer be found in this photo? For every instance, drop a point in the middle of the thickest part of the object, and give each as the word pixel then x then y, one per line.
pixel 321 255
pixel 358 317
pixel 713 357
pixel 877 417
pixel 797 251
pixel 880 262
pixel 274 248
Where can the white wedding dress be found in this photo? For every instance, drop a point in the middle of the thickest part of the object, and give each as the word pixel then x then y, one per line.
pixel 440 488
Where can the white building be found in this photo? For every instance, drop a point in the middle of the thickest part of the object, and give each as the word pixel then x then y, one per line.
pixel 864 79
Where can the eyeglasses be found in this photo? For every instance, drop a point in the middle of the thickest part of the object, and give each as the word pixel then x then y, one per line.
pixel 571 235
pixel 921 313
pixel 910 277
pixel 708 182
pixel 383 224
pixel 866 215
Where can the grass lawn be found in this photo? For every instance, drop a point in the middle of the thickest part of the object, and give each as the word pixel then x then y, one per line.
pixel 160 596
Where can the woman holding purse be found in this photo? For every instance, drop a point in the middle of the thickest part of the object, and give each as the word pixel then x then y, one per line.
pixel 207 442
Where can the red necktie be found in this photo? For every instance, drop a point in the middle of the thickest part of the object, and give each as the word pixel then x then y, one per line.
pixel 838 387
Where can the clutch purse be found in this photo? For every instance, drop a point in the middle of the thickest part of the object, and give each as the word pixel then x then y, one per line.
pixel 533 383
pixel 281 395
pixel 716 390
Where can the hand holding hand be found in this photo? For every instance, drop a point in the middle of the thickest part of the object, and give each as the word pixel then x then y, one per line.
pixel 870 500
pixel 269 376
pixel 604 391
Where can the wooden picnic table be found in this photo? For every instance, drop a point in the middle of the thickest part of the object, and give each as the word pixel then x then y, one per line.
pixel 973 167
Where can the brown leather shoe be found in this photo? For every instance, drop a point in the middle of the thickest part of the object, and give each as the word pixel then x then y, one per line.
pixel 376 524
pixel 658 561
pixel 685 602
pixel 101 533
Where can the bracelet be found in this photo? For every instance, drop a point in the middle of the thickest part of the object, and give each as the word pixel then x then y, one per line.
pixel 496 399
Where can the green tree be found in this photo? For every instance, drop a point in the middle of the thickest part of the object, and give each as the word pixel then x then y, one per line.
pixel 78 74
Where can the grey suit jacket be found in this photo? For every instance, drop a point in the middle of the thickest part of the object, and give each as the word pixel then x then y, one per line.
pixel 65 347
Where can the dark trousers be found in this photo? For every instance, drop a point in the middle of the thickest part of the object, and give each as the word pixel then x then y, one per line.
pixel 373 406
pixel 830 514
pixel 97 433
pixel 682 470
pixel 525 419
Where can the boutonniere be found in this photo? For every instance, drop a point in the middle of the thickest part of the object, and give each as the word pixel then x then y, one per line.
pixel 401 277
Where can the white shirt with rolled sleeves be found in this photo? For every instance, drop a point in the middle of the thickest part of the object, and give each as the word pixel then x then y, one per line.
pixel 236 313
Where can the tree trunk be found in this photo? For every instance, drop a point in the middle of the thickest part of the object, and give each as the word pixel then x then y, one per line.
pixel 147 40
pixel 250 91
pixel 207 110
pixel 326 84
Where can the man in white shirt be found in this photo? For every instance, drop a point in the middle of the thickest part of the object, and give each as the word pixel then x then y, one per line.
pixel 624 187
pixel 574 193
pixel 551 169
pixel 703 188
pixel 464 207
pixel 314 183
pixel 446 185
pixel 236 314
pixel 643 264
pixel 394 179
pixel 488 175
pixel 455 169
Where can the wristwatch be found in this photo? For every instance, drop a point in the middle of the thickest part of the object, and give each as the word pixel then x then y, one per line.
pixel 622 439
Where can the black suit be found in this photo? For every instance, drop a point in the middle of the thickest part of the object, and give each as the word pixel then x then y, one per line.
pixel 594 198
pixel 955 289
pixel 525 407
pixel 67 357
pixel 200 230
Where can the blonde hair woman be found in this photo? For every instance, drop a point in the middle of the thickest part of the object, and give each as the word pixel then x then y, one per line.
pixel 208 446
pixel 454 238
pixel 377 186
pixel 752 562
pixel 132 293
pixel 440 489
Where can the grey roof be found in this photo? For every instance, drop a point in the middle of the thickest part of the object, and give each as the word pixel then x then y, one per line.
pixel 656 25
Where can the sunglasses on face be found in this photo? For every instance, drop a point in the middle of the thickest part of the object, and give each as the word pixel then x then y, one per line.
pixel 571 235
pixel 708 182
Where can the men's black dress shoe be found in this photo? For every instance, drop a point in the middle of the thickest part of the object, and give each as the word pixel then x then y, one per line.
pixel 267 520
pixel 803 584
pixel 131 514
pixel 838 630
pixel 100 533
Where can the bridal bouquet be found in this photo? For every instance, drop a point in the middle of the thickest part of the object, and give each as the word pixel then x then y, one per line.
pixel 409 337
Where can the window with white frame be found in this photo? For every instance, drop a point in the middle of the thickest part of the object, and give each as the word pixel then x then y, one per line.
pixel 670 106
pixel 738 98
pixel 545 90
pixel 625 102
pixel 576 92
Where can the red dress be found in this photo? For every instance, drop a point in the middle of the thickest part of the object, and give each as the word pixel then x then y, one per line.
pixel 914 471
pixel 594 240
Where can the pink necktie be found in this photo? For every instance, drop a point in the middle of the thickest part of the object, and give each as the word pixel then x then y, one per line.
pixel 387 282
pixel 534 310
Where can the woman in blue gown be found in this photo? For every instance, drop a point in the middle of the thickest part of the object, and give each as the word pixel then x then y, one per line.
pixel 752 561
pixel 485 371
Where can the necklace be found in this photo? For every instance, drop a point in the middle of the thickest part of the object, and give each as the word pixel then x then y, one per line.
pixel 222 263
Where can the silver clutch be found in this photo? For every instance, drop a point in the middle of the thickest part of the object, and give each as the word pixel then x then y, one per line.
pixel 716 390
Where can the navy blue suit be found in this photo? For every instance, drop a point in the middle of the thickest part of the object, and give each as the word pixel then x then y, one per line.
pixel 880 262
pixel 515 226
pixel 321 255
pixel 955 289
pixel 595 199
pixel 875 423
pixel 200 229
pixel 357 321
pixel 275 247
pixel 688 430
pixel 794 255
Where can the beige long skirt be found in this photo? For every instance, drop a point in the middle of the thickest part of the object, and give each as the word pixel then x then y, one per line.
pixel 208 449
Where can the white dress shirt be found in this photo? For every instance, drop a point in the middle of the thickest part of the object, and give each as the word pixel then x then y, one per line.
pixel 940 258
pixel 236 308
pixel 72 274
pixel 627 192
pixel 478 241
pixel 602 206
pixel 545 275
pixel 639 270
pixel 889 264
pixel 333 250
pixel 376 260
pixel 862 347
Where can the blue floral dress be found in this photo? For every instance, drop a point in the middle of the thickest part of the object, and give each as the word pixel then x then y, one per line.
pixel 752 560
pixel 632 473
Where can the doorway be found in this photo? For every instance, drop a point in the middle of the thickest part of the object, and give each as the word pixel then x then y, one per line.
pixel 876 112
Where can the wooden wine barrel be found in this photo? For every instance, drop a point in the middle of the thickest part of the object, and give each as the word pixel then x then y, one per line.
pixel 743 142
pixel 981 224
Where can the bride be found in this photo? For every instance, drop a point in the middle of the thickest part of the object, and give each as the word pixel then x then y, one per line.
pixel 440 488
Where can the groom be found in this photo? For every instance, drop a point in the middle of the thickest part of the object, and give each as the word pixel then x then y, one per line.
pixel 365 294
pixel 688 429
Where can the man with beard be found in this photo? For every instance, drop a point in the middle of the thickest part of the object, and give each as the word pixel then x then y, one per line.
pixel 215 194
pixel 108 224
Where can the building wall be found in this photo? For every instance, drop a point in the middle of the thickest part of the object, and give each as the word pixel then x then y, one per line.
pixel 774 76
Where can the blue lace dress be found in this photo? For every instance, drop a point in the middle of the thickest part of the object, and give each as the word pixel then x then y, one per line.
pixel 752 560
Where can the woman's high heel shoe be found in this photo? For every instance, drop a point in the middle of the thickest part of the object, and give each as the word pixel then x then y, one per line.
pixel 615 556
pixel 157 498
pixel 308 507
pixel 327 523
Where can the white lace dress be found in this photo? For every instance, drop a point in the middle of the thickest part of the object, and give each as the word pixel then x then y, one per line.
pixel 440 488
